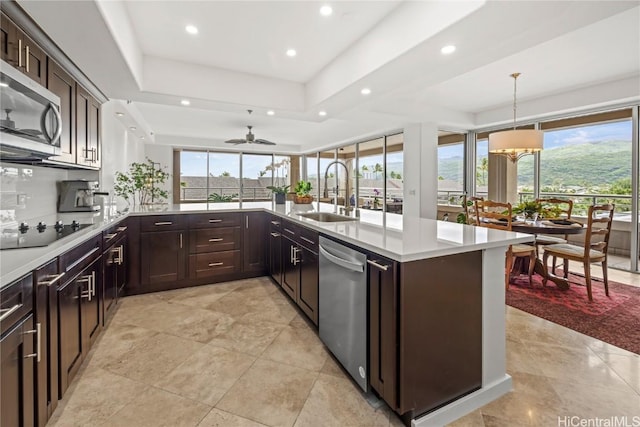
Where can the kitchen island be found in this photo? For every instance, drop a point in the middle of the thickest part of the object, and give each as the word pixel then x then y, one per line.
pixel 445 305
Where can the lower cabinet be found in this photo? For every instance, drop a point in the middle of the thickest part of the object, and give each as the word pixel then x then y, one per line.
pixel 115 274
pixel 79 320
pixel 18 362
pixel 253 242
pixel 300 276
pixel 162 257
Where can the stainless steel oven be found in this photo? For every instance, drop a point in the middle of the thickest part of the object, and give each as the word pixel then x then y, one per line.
pixel 30 121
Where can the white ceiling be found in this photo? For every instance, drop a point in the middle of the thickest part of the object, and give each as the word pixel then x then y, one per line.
pixel 573 55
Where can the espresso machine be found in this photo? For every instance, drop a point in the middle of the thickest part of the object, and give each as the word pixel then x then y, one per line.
pixel 77 196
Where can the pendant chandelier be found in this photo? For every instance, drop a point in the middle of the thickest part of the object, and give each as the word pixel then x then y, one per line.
pixel 517 142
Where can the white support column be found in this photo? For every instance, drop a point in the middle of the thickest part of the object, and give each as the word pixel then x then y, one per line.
pixel 420 171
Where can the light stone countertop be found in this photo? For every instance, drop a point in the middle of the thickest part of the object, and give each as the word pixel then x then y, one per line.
pixel 393 236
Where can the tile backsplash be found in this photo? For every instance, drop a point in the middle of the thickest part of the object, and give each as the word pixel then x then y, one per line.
pixel 29 193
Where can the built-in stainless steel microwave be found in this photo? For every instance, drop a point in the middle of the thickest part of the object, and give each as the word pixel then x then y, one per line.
pixel 30 122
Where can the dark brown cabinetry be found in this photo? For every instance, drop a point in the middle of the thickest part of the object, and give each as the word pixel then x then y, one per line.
pixel 19 343
pixel 63 85
pixel 275 249
pixel 214 245
pixel 114 266
pixel 163 246
pixel 299 259
pixel 20 51
pixel 254 242
pixel 425 330
pixel 47 279
pixel 87 129
pixel 79 307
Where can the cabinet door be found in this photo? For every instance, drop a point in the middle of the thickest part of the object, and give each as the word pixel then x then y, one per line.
pixel 9 41
pixel 46 314
pixel 91 295
pixel 63 85
pixel 35 60
pixel 308 288
pixel 110 278
pixel 87 141
pixel 383 341
pixel 162 257
pixel 18 360
pixel 275 256
pixel 290 269
pixel 253 242
pixel 94 141
pixel 70 330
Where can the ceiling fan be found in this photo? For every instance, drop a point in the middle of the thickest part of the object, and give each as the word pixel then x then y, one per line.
pixel 250 138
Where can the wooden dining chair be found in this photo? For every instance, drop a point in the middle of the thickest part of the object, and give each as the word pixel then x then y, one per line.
pixel 470 208
pixel 499 215
pixel 594 250
pixel 561 209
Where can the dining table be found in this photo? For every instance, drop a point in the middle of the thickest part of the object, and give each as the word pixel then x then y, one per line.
pixel 549 227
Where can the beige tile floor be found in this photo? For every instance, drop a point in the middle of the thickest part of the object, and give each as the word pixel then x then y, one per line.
pixel 239 354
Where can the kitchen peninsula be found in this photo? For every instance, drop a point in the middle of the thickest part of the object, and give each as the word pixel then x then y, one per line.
pixel 437 316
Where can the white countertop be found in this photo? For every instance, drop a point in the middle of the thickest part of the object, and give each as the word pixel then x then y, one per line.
pixel 393 236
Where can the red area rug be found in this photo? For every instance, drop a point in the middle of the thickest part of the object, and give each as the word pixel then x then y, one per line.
pixel 614 319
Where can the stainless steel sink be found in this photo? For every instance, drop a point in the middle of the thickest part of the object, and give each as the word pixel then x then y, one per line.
pixel 326 217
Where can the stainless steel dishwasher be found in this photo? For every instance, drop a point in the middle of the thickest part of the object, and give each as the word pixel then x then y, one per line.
pixel 342 313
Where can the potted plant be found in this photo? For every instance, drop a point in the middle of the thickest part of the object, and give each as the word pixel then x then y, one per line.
pixel 280 193
pixel 302 190
pixel 530 210
pixel 143 182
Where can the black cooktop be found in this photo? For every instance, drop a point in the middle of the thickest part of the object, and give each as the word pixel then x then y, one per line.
pixel 37 236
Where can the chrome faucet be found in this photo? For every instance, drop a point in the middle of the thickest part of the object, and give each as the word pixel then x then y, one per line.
pixel 325 193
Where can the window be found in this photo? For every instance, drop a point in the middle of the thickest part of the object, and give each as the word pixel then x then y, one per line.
pixel 223 184
pixel 482 168
pixel 394 173
pixel 327 187
pixel 450 167
pixel 193 176
pixel 257 174
pixel 371 161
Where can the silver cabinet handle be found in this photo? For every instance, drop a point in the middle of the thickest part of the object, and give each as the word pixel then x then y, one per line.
pixel 52 279
pixel 6 312
pixel 246 221
pixel 216 239
pixel 213 221
pixel 289 231
pixel 121 229
pixel 120 250
pixel 275 222
pixel 180 240
pixel 164 223
pixel 87 279
pixel 38 345
pixel 215 264
pixel 20 53
pixel 110 236
pixel 26 57
pixel 308 240
pixel 93 283
pixel 295 259
pixel 291 253
pixel 275 234
pixel 380 266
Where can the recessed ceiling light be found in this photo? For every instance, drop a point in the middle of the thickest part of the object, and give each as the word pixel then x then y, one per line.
pixel 365 91
pixel 326 10
pixel 133 128
pixel 271 113
pixel 291 52
pixel 322 113
pixel 119 114
pixel 191 29
pixel 185 102
pixel 448 49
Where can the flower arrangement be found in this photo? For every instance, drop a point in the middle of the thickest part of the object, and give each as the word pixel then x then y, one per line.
pixel 376 201
pixel 280 191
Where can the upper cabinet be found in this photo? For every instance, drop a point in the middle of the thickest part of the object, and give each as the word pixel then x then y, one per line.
pixel 79 108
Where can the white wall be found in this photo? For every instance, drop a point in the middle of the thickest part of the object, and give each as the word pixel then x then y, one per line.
pixel 420 170
pixel 120 148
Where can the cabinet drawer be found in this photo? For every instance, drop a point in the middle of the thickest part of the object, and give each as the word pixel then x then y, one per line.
pixel 162 222
pixel 214 220
pixel 290 229
pixel 79 257
pixel 214 239
pixel 214 264
pixel 16 301
pixel 308 238
pixel 113 233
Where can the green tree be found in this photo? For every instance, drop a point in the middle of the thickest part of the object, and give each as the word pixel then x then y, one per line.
pixel 225 173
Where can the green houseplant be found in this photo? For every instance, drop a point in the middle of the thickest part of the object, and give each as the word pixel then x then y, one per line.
pixel 530 209
pixel 142 183
pixel 280 192
pixel 302 190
